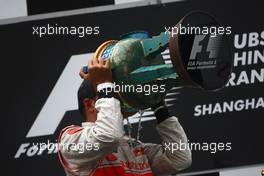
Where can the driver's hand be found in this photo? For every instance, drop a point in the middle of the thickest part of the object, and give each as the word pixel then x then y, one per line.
pixel 99 71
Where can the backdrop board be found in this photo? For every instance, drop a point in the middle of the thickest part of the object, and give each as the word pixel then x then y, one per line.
pixel 39 76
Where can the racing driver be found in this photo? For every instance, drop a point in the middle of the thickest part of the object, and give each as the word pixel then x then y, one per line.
pixel 108 151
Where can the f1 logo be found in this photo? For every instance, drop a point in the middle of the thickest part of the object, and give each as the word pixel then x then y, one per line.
pixel 206 45
pixel 62 98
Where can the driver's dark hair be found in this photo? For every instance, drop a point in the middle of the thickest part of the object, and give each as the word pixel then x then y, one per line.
pixel 86 90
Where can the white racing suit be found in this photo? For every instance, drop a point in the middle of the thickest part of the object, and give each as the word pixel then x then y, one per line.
pixel 108 152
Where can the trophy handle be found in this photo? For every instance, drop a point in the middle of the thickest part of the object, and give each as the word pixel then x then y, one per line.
pixel 155 45
pixel 151 73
